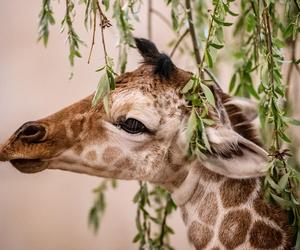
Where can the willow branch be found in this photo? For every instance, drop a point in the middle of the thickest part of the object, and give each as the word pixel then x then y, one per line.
pixel 93 39
pixel 297 5
pixel 149 24
pixel 269 42
pixel 163 224
pixel 193 34
pixel 210 29
pixel 269 45
pixel 291 66
pixel 104 22
pixel 212 77
pixel 179 41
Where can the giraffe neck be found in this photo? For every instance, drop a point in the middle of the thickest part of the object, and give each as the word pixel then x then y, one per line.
pixel 224 213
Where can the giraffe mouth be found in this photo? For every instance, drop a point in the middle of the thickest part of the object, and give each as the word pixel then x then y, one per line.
pixel 29 166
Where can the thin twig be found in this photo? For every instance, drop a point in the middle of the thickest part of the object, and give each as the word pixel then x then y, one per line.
pixel 291 66
pixel 193 33
pixel 149 12
pixel 179 41
pixel 297 5
pixel 93 39
pixel 212 77
pixel 102 26
pixel 196 47
pixel 210 29
pixel 269 42
pixel 163 224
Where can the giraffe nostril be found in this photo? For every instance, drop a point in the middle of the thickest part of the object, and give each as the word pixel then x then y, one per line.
pixel 32 132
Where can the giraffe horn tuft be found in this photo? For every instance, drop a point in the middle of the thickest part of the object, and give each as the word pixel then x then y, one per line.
pixel 162 63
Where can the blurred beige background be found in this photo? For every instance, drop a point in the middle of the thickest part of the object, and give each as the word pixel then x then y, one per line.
pixel 48 210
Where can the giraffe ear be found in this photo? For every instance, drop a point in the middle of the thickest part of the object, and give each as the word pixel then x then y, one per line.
pixel 233 155
pixel 245 105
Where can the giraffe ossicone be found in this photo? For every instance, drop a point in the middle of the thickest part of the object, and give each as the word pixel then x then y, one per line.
pixel 143 137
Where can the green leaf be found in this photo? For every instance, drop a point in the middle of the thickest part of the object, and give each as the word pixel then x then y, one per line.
pixel 209 95
pixel 216 46
pixel 191 125
pixel 282 202
pixel 251 22
pixel 136 238
pixel 252 91
pixel 102 90
pixel 272 183
pixel 106 4
pixel 208 122
pixel 208 59
pixel 232 83
pixel 204 137
pixel 285 137
pixel 218 21
pixel 288 31
pixel 284 181
pixel 188 86
pixel 292 121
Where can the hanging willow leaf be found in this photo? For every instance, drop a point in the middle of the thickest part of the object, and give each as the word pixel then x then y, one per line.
pixel 292 121
pixel 218 21
pixel 209 95
pixel 46 19
pixel 216 46
pixel 191 125
pixel 103 89
pixel 208 59
pixel 284 181
pixel 188 86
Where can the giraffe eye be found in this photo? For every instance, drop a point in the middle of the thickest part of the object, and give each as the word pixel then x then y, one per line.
pixel 133 126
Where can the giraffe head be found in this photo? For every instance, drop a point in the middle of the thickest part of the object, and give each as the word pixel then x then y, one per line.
pixel 142 137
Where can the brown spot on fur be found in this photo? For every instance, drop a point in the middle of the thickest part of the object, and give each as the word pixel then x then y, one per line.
pixel 235 192
pixel 175 167
pixel 123 163
pixel 198 194
pixel 199 234
pixel 179 179
pixel 234 228
pixel 78 149
pixel 215 248
pixel 110 153
pixel 208 209
pixel 264 236
pixel 76 126
pixel 207 175
pixel 91 155
pixel 270 211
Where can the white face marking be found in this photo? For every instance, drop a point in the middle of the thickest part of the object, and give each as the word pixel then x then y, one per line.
pixel 141 108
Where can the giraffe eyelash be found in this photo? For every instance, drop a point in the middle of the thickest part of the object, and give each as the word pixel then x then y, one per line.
pixel 132 126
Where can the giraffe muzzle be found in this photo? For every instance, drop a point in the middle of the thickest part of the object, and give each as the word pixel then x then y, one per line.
pixel 23 148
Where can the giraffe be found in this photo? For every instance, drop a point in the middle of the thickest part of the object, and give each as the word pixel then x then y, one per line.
pixel 143 137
